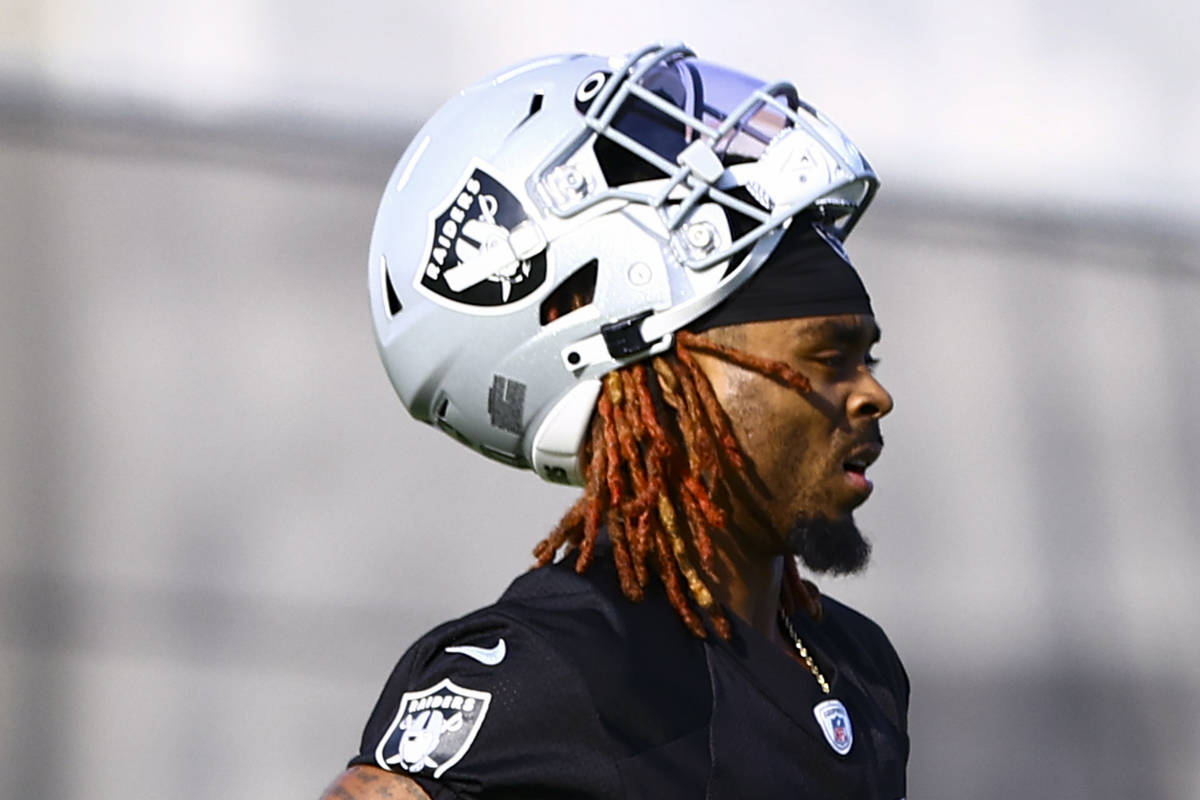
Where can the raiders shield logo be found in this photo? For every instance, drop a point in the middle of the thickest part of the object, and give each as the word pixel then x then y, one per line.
pixel 483 253
pixel 835 724
pixel 433 729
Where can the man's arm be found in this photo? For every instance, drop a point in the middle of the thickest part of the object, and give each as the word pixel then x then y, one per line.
pixel 373 783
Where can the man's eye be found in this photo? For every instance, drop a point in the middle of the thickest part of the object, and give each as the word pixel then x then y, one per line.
pixel 831 360
pixel 837 360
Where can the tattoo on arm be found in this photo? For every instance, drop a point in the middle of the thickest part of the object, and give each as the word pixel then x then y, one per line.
pixel 372 783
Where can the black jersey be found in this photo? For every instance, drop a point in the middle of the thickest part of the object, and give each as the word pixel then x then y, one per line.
pixel 565 689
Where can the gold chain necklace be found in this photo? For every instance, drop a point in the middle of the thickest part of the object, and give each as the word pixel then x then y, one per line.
pixel 803 651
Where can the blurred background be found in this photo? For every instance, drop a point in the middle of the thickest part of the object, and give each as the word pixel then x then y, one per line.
pixel 219 529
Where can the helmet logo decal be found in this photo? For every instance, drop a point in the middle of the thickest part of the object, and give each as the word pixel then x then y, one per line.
pixel 483 250
pixel 587 90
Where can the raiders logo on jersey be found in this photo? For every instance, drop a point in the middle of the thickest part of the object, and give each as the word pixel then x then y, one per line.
pixel 433 728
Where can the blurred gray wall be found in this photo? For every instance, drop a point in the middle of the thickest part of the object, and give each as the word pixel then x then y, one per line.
pixel 218 529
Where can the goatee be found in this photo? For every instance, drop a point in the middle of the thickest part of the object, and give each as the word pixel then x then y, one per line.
pixel 833 546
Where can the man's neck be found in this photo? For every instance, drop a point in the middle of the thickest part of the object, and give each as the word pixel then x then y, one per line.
pixel 748 583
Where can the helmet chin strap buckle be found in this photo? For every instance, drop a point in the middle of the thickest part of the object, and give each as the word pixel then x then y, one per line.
pixel 624 337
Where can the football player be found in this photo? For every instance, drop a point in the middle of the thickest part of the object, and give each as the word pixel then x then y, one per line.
pixel 627 274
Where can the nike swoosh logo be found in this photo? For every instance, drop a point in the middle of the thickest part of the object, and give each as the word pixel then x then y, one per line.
pixel 488 656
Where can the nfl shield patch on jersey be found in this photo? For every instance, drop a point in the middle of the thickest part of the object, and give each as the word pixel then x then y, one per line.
pixel 835 724
pixel 433 729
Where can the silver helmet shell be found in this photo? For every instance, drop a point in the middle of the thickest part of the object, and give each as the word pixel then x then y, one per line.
pixel 652 185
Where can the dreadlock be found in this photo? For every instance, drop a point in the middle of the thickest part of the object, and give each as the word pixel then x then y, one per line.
pixel 660 453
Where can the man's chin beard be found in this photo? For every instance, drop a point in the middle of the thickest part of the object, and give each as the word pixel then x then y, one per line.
pixel 833 546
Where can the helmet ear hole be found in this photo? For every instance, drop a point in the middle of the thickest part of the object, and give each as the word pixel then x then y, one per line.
pixel 572 294
pixel 619 166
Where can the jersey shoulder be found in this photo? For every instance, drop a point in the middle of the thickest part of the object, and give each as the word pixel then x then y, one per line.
pixel 545 690
pixel 482 701
pixel 645 673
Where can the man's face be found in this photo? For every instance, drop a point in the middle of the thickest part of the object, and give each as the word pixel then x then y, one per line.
pixel 809 450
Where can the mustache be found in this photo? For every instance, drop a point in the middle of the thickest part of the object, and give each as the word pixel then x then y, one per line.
pixel 870 438
pixel 872 435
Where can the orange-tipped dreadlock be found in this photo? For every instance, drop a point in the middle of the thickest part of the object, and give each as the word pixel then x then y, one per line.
pixel 660 452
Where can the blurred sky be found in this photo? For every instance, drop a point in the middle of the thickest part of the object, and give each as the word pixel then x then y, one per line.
pixel 1092 103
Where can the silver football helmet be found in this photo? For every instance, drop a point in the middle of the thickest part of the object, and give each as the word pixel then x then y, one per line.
pixel 565 217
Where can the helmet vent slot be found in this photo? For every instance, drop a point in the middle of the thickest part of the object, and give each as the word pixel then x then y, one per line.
pixel 572 294
pixel 393 302
pixel 535 105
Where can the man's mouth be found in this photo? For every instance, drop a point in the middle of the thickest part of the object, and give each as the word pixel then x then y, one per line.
pixel 855 467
